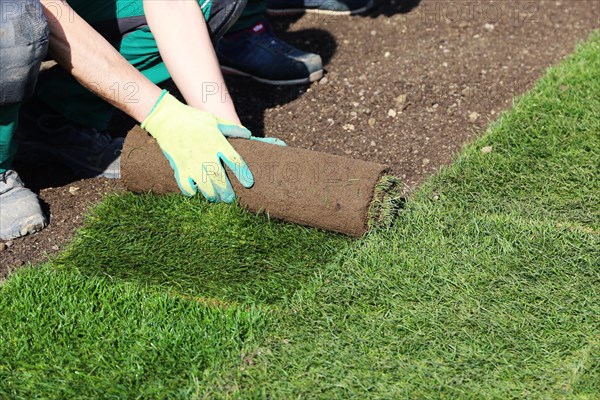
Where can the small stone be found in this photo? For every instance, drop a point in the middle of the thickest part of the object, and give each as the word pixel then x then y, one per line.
pixel 466 92
pixel 487 149
pixel 372 122
pixel 73 190
pixel 2 247
pixel 463 25
pixel 473 117
pixel 373 33
pixel 392 113
pixel 425 161
pixel 489 27
pixel 387 54
pixel 55 248
pixel 349 127
pixel 323 81
pixel 401 99
pixel 347 152
pixel 9 244
pixel 373 144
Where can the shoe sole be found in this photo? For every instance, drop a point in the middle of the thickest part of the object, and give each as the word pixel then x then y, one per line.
pixel 295 11
pixel 315 76
pixel 32 225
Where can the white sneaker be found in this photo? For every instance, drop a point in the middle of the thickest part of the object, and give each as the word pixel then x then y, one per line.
pixel 20 211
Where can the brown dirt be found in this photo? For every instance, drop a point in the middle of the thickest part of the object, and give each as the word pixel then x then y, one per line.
pixel 407 85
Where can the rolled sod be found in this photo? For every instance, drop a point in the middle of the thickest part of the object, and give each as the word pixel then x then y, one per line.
pixel 306 187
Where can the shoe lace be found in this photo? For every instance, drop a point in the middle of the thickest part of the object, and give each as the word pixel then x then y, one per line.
pixel 274 42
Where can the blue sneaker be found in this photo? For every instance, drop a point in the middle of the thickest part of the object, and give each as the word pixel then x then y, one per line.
pixel 256 52
pixel 325 7
pixel 44 135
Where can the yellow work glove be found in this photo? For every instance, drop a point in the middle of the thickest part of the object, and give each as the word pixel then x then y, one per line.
pixel 193 142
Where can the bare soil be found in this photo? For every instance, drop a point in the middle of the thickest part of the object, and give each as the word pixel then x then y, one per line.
pixel 407 84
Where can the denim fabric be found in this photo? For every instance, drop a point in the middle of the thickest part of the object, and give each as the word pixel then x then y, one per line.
pixel 23 45
pixel 224 14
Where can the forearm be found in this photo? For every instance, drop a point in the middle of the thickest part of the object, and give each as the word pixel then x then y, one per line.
pixel 83 52
pixel 180 31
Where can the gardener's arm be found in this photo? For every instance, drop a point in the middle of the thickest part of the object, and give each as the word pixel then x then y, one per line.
pixel 191 139
pixel 186 49
pixel 78 48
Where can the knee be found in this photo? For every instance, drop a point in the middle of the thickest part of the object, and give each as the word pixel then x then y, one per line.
pixel 240 5
pixel 23 45
pixel 223 16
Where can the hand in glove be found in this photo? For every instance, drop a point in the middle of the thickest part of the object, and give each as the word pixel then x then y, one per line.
pixel 194 143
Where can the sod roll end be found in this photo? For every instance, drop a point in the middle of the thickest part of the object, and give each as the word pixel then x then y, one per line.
pixel 297 185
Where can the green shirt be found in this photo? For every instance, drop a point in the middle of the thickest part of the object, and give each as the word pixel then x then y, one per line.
pixel 117 17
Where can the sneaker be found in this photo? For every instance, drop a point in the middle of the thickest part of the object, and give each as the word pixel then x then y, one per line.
pixel 325 7
pixel 87 152
pixel 20 211
pixel 256 52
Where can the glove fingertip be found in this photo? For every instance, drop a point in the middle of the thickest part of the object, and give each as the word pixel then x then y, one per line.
pixel 228 198
pixel 210 199
pixel 269 140
pixel 246 178
pixel 187 190
pixel 234 131
pixel 240 170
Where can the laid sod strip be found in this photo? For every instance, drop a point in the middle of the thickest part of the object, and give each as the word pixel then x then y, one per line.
pixel 444 306
pixel 68 336
pixel 199 249
pixel 486 286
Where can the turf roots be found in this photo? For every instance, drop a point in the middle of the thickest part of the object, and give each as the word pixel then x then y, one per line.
pixel 387 202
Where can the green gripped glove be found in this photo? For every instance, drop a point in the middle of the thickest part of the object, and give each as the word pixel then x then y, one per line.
pixel 194 143
pixel 231 130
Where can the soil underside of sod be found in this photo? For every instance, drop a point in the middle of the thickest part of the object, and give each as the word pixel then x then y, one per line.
pixel 406 85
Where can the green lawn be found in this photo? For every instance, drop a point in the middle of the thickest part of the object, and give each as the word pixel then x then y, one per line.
pixel 487 286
